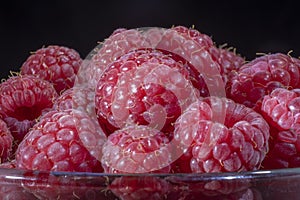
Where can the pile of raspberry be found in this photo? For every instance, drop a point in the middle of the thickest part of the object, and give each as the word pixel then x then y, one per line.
pixel 151 101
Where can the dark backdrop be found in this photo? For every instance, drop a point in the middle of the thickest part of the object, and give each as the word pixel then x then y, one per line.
pixel 251 27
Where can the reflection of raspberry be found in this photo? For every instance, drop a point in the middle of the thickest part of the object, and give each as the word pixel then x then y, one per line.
pixel 136 188
pixel 260 76
pixel 23 99
pixel 50 186
pixel 6 142
pixel 145 86
pixel 217 189
pixel 56 64
pixel 246 194
pixel 222 136
pixel 15 191
pixel 10 188
pixel 136 149
pixel 58 142
pixel 282 110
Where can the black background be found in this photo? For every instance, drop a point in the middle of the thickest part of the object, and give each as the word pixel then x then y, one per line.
pixel 249 26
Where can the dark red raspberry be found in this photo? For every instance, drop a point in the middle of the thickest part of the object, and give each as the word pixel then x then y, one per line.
pixel 6 142
pixel 222 136
pixel 56 64
pixel 281 109
pixel 23 99
pixel 147 87
pixel 11 188
pixel 61 141
pixel 228 60
pixel 260 76
pixel 136 149
pixel 8 164
pixel 142 187
pixel 61 185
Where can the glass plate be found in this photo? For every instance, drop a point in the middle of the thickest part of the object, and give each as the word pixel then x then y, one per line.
pixel 256 185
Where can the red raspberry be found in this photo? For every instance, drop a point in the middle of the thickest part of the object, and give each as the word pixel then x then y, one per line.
pixel 136 149
pixel 223 136
pixel 56 64
pixel 120 42
pixel 23 99
pixel 202 39
pixel 61 141
pixel 64 101
pixel 281 109
pixel 76 98
pixel 260 76
pixel 136 188
pixel 193 46
pixel 228 60
pixel 8 164
pixel 147 87
pixel 6 142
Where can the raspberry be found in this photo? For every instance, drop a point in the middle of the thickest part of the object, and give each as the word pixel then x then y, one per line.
pixel 260 76
pixel 64 101
pixel 78 98
pixel 136 149
pixel 222 136
pixel 281 108
pixel 135 188
pixel 202 39
pixel 8 164
pixel 61 141
pixel 228 60
pixel 193 46
pixel 6 142
pixel 23 99
pixel 120 42
pixel 56 64
pixel 146 87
